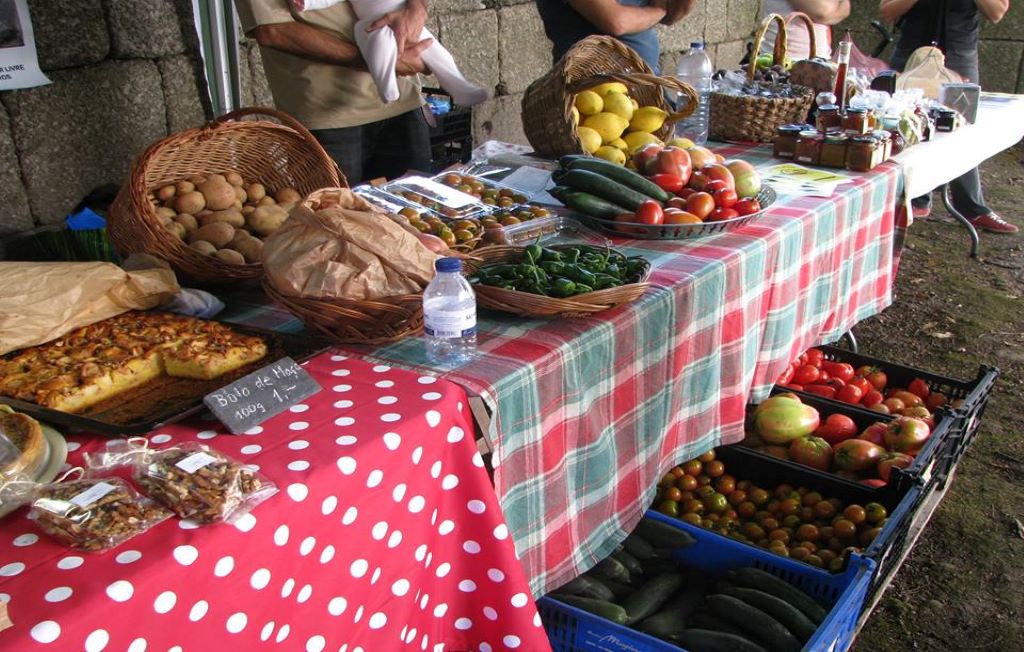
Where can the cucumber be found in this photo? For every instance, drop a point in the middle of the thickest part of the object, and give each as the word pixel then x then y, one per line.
pixel 589 204
pixel 670 621
pixel 791 618
pixel 586 587
pixel 630 562
pixel 658 566
pixel 649 597
pixel 663 535
pixel 639 547
pixel 620 174
pixel 610 568
pixel 703 640
pixel 704 620
pixel 620 590
pixel 596 184
pixel 757 622
pixel 602 608
pixel 754 578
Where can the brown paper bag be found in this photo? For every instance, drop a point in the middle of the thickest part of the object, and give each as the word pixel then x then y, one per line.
pixel 335 246
pixel 40 302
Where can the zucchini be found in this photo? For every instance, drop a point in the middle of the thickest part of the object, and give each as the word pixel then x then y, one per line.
pixel 663 535
pixel 610 568
pixel 791 618
pixel 621 175
pixel 596 184
pixel 649 597
pixel 586 587
pixel 592 205
pixel 670 621
pixel 602 608
pixel 703 640
pixel 754 578
pixel 757 622
pixel 638 546
pixel 630 562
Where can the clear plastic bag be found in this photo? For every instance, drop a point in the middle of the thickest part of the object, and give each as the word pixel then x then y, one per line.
pixel 192 480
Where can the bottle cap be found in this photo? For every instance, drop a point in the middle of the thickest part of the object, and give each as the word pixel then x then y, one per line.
pixel 697 45
pixel 448 265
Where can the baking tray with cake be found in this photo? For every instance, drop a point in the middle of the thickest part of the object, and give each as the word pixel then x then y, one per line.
pixel 138 371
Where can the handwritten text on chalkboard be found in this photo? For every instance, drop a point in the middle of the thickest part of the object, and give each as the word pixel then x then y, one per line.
pixel 254 398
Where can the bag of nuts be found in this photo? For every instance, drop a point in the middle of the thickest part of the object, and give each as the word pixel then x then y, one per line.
pixel 192 480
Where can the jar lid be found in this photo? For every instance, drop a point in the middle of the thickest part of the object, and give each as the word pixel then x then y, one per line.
pixel 811 133
pixel 945 111
pixel 856 111
pixel 867 139
pixel 790 129
pixel 835 138
pixel 828 107
pixel 881 134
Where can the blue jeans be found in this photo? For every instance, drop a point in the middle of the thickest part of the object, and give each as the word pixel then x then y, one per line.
pixel 387 148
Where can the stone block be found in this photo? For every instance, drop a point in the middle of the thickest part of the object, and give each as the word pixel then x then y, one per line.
pixel 1010 27
pixel 182 89
pixel 439 7
pixel 744 17
pixel 524 49
pixel 16 215
pixel 69 34
pixel 144 29
pixel 84 130
pixel 472 38
pixel 728 54
pixel 677 38
pixel 716 21
pixel 1000 64
pixel 1020 78
pixel 861 15
pixel 499 119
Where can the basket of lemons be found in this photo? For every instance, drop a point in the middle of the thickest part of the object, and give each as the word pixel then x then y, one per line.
pixel 601 99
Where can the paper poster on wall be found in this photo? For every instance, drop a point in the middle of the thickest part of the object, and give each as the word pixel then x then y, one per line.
pixel 19 67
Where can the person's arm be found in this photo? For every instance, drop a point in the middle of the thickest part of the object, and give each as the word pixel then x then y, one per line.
pixel 315 44
pixel 617 20
pixel 824 12
pixel 676 11
pixel 406 23
pixel 994 10
pixel 893 10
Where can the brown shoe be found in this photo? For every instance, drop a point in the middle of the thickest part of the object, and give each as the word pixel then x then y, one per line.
pixel 994 223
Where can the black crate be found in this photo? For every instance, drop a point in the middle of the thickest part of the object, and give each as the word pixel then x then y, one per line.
pixel 451 137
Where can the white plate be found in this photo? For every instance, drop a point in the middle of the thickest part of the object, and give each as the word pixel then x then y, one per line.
pixel 56 455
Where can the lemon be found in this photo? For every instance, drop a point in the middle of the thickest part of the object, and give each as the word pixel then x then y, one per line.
pixel 647 118
pixel 588 103
pixel 613 154
pixel 621 144
pixel 610 87
pixel 574 115
pixel 618 104
pixel 637 139
pixel 681 143
pixel 591 139
pixel 636 105
pixel 609 125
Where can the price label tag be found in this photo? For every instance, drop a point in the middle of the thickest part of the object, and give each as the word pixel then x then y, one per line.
pixel 252 399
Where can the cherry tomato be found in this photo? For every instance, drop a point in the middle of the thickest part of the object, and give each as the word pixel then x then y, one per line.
pixel 861 383
pixel 919 387
pixel 700 204
pixel 721 214
pixel 650 212
pixel 871 398
pixel 841 370
pixel 874 375
pixel 747 206
pixel 725 198
pixel 805 375
pixel 850 394
pixel 821 390
pixel 815 357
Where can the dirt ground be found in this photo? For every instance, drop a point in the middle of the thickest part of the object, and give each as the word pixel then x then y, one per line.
pixel 960 588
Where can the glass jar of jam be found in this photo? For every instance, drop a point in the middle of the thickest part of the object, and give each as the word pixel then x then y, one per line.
pixel 785 141
pixel 862 153
pixel 828 118
pixel 855 121
pixel 833 150
pixel 808 147
pixel 945 120
pixel 884 144
pixel 897 141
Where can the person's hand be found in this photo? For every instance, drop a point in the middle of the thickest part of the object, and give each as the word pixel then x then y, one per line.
pixel 676 10
pixel 406 23
pixel 409 61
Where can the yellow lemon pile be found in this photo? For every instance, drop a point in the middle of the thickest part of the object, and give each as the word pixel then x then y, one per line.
pixel 611 124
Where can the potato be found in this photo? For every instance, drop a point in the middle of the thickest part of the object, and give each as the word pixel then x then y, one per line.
pixel 255 191
pixel 166 213
pixel 266 201
pixel 230 256
pixel 165 193
pixel 190 202
pixel 237 205
pixel 234 179
pixel 267 219
pixel 286 195
pixel 170 204
pixel 204 247
pixel 178 228
pixel 240 195
pixel 231 216
pixel 216 233
pixel 251 248
pixel 216 177
pixel 190 222
pixel 184 186
pixel 219 194
pixel 197 179
pixel 247 210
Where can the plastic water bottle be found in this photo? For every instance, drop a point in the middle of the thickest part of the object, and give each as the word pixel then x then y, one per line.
pixel 449 314
pixel 695 69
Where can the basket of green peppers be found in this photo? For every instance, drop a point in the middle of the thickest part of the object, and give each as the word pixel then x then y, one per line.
pixel 571 280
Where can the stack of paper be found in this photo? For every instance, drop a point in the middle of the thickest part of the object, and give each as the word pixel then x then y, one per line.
pixel 792 179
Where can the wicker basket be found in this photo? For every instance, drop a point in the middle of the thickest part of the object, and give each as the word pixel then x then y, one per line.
pixel 548 101
pixel 276 155
pixel 749 118
pixel 536 305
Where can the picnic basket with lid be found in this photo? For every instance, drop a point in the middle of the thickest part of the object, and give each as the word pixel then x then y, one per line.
pixel 548 101
pixel 755 118
pixel 276 154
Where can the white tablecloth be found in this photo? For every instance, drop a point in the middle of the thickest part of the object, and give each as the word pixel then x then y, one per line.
pixel 999 126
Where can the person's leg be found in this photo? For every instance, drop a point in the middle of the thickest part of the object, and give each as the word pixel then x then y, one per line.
pixel 402 143
pixel 440 62
pixel 346 146
pixel 380 51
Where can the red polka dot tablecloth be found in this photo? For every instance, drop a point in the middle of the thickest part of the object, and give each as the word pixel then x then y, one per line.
pixel 386 535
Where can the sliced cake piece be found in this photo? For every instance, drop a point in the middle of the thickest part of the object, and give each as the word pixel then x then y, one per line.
pixel 214 355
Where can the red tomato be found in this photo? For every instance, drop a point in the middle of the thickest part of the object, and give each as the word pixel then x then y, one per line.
pixel 906 434
pixel 805 375
pixel 874 375
pixel 791 385
pixel 679 216
pixel 747 206
pixel 725 198
pixel 721 214
pixel 935 400
pixel 815 357
pixel 700 204
pixel 841 370
pixel 836 428
pixel 820 390
pixel 862 384
pixel 871 398
pixel 650 212
pixel 919 387
pixel 892 460
pixel 815 452
pixel 910 399
pixel 875 433
pixel 834 383
pixel 856 454
pixel 850 394
pixel 669 182
pixel 684 193
pixel 714 184
pixel 785 376
pixel 676 202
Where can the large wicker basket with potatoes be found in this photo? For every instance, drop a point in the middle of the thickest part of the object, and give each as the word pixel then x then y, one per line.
pixel 203 199
pixel 548 103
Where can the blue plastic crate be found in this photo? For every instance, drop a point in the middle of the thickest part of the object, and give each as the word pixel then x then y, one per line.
pixel 571 629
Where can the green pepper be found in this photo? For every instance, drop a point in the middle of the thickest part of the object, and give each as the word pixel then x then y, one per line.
pixel 606 281
pixel 552 267
pixel 504 270
pixel 571 255
pixel 635 267
pixel 613 269
pixel 582 288
pixel 532 253
pixel 581 275
pixel 551 255
pixel 563 287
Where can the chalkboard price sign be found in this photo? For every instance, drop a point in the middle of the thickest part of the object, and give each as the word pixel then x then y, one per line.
pixel 252 399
